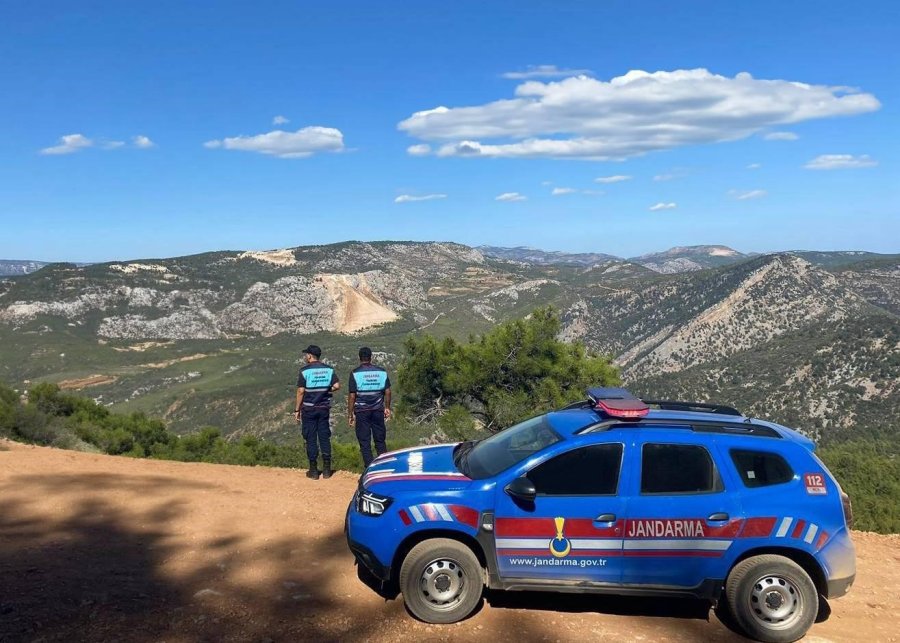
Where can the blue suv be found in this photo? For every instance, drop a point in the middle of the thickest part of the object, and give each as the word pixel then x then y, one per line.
pixel 615 495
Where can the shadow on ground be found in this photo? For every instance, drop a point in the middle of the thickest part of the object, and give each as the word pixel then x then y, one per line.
pixel 95 571
pixel 602 604
pixel 683 618
pixel 127 557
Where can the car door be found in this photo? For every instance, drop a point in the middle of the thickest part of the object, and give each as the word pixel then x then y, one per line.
pixel 680 519
pixel 571 531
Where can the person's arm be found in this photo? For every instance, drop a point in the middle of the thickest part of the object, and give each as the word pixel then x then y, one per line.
pixel 335 382
pixel 351 407
pixel 298 403
pixel 351 400
pixel 387 403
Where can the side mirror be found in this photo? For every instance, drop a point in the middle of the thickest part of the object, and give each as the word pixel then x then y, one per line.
pixel 522 488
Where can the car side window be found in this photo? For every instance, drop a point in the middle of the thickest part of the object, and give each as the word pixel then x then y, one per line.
pixel 761 468
pixel 678 469
pixel 588 471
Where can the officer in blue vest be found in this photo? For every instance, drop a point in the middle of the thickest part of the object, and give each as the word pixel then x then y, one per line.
pixel 316 383
pixel 369 404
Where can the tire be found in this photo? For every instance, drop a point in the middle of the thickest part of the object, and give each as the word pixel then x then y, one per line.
pixel 772 598
pixel 441 581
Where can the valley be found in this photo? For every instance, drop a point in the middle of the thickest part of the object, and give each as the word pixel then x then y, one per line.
pixel 811 339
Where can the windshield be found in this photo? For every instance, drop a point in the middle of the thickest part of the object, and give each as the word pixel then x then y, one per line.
pixel 497 453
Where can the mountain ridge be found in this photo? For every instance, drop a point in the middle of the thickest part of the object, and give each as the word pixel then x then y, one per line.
pixel 213 337
pixel 672 260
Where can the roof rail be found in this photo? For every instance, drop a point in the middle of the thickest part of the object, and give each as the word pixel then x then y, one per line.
pixel 702 407
pixel 728 427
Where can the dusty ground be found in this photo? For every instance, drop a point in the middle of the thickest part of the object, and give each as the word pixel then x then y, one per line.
pixel 85 382
pixel 357 306
pixel 104 548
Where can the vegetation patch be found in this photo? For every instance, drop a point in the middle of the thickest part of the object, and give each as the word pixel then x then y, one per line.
pixel 448 390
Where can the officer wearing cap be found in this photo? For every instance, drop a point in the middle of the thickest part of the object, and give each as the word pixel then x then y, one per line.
pixel 369 404
pixel 315 384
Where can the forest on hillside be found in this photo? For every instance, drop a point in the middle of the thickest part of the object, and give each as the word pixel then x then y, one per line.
pixel 448 390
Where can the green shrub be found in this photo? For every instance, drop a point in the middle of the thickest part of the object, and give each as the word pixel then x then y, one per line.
pixel 346 456
pixel 33 425
pixel 869 471
pixel 517 369
pixel 458 424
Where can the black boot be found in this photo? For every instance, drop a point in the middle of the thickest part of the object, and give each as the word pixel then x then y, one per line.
pixel 326 469
pixel 313 471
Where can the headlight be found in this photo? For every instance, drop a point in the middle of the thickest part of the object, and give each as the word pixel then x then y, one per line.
pixel 371 504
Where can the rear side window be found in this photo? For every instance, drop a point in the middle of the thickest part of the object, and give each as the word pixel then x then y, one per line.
pixel 588 471
pixel 678 469
pixel 761 468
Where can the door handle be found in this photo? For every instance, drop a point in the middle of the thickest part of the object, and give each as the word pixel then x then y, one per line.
pixel 605 518
pixel 718 516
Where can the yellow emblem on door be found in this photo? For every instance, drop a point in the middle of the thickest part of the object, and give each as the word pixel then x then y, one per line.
pixel 560 546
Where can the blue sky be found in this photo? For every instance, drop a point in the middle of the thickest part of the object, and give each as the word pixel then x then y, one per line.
pixel 165 105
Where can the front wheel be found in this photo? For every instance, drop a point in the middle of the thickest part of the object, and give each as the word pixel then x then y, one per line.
pixel 772 598
pixel 441 581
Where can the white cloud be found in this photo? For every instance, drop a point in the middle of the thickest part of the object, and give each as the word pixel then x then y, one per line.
pixel 780 136
pixel 422 149
pixel 616 178
pixel 745 195
pixel 280 120
pixel 640 112
pixel 840 162
pixel 302 143
pixel 562 191
pixel 663 206
pixel 411 198
pixel 142 142
pixel 669 176
pixel 754 166
pixel 510 196
pixel 544 71
pixel 69 144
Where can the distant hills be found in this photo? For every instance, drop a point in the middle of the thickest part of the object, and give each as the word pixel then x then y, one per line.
pixel 537 257
pixel 809 338
pixel 674 260
pixel 13 267
pixel 688 258
pixel 683 259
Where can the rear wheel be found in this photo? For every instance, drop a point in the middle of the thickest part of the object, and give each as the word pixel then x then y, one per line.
pixel 772 598
pixel 441 581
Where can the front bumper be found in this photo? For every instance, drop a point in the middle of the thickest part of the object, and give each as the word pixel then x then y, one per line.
pixel 365 557
pixel 377 533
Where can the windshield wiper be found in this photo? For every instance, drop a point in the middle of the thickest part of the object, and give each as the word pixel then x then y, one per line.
pixel 461 455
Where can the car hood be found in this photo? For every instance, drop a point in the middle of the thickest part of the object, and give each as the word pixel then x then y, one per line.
pixel 424 467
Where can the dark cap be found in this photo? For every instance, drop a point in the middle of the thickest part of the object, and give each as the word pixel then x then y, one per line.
pixel 313 350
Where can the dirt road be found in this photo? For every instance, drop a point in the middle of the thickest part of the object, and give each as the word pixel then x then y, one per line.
pixel 103 548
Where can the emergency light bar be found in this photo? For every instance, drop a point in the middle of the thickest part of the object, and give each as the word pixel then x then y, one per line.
pixel 618 403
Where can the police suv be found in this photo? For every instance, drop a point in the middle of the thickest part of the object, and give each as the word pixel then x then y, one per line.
pixel 615 495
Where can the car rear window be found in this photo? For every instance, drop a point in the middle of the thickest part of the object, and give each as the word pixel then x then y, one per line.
pixel 761 468
pixel 678 469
